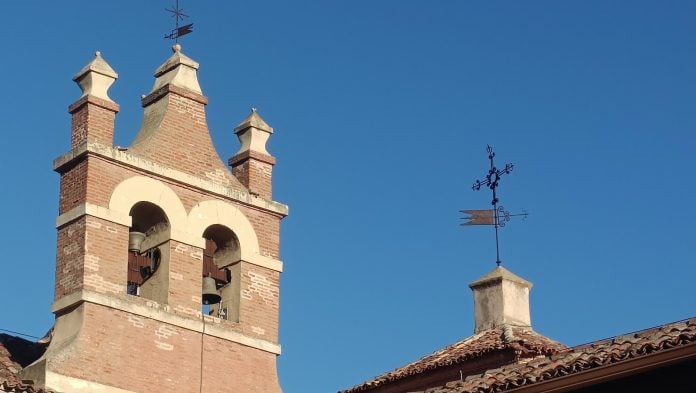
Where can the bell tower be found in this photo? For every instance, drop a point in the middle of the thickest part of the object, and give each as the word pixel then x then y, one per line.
pixel 148 234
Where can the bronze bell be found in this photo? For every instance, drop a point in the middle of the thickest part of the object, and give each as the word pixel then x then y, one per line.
pixel 135 240
pixel 210 295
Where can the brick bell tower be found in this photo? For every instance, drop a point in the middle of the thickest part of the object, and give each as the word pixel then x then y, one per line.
pixel 149 232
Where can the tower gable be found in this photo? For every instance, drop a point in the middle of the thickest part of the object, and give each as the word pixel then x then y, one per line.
pixel 174 131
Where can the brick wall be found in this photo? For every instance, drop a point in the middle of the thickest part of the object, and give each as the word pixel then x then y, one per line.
pixel 176 135
pixel 118 348
pixel 73 187
pixel 104 267
pixel 90 256
pixel 93 119
pixel 143 355
pixel 185 278
pixel 259 302
pixel 256 175
pixel 70 255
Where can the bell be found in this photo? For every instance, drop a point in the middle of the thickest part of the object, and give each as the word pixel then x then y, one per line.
pixel 210 295
pixel 135 240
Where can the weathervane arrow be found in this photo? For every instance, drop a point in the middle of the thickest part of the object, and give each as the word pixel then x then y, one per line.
pixel 479 217
pixel 487 217
pixel 180 31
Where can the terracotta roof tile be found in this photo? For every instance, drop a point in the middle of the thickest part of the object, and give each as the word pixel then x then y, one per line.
pixel 574 360
pixel 16 353
pixel 525 342
pixel 19 387
pixel 8 367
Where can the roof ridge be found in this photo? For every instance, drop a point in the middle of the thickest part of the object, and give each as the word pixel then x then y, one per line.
pixel 522 339
pixel 577 359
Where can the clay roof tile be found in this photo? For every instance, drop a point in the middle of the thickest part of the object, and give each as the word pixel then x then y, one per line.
pixel 526 343
pixel 581 358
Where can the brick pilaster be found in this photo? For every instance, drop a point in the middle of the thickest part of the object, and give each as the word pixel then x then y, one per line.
pixel 94 113
pixel 253 164
pixel 255 171
pixel 93 120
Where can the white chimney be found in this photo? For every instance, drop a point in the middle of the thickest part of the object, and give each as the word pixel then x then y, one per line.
pixel 501 298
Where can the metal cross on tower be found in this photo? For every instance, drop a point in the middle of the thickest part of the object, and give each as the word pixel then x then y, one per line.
pixel 178 15
pixel 497 216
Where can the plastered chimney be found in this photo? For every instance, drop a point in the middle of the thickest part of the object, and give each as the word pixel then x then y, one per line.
pixel 501 298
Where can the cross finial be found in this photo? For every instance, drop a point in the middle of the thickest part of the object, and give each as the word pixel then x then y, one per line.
pixel 488 217
pixel 178 15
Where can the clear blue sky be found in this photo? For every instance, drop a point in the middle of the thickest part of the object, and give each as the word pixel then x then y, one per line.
pixel 382 111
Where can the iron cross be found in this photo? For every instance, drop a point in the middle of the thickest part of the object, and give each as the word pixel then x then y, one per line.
pixel 178 15
pixel 497 216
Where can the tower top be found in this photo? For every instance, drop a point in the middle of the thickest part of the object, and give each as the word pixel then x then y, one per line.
pixel 498 274
pixel 178 70
pixel 253 120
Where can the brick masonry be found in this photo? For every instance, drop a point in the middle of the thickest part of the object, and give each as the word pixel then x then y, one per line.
pixel 116 348
pixel 144 355
pixel 255 175
pixel 176 135
pixel 93 119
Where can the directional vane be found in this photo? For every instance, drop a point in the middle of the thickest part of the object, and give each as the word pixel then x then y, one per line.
pixel 178 31
pixel 497 216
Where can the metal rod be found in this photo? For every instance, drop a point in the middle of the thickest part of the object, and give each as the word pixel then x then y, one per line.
pixel 496 223
pixel 200 386
pixel 176 26
pixel 493 186
pixel 491 181
pixel 179 31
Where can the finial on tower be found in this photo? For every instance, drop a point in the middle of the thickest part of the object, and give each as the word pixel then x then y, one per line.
pixel 253 133
pixel 96 78
pixel 178 70
pixel 497 216
pixel 252 164
pixel 178 15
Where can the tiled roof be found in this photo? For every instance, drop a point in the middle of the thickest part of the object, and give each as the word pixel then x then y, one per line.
pixel 577 359
pixel 524 341
pixel 16 353
pixel 8 367
pixel 19 387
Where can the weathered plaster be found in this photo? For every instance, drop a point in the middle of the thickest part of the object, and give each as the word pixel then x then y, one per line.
pixel 501 298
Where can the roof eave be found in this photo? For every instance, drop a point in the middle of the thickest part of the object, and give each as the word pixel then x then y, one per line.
pixel 612 371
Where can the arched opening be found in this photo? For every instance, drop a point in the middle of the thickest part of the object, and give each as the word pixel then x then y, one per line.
pixel 221 258
pixel 148 252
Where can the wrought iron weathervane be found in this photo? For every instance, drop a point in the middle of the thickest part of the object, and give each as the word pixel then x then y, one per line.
pixel 497 216
pixel 178 31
